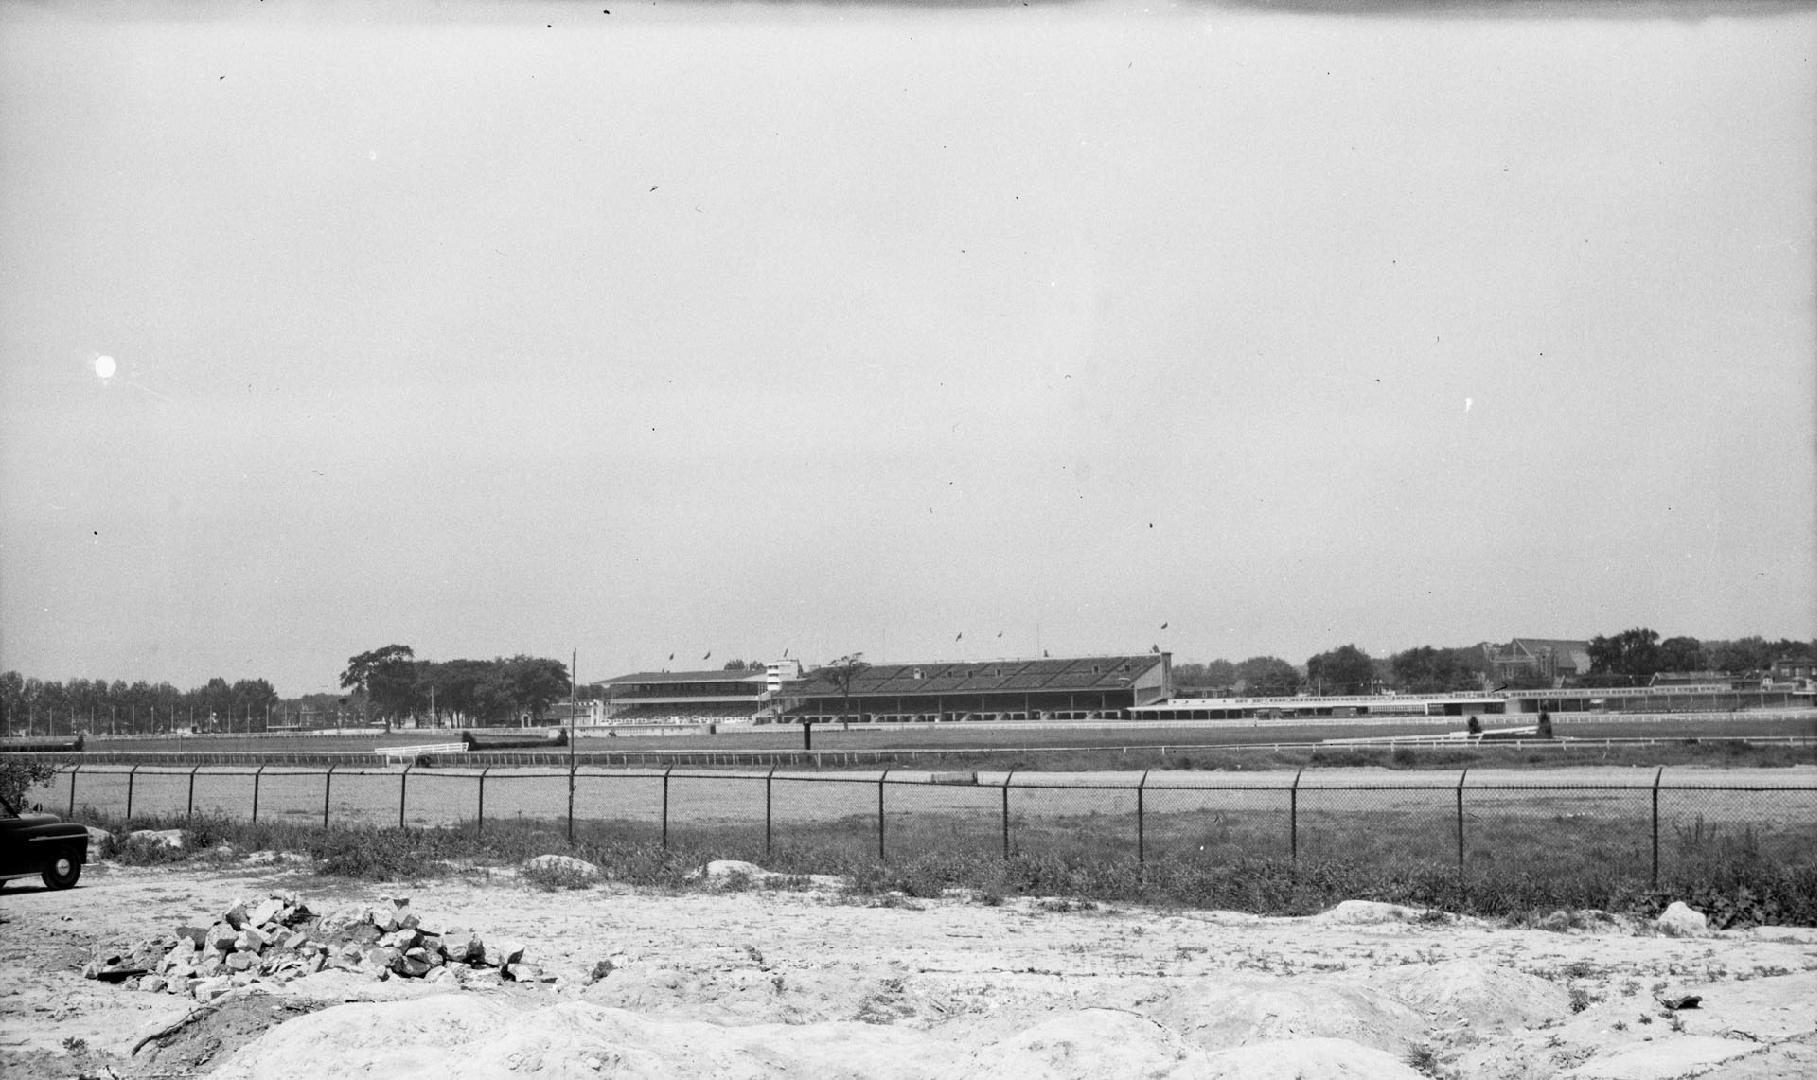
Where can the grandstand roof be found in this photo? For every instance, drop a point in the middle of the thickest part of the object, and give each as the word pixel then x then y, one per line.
pixel 716 675
pixel 1575 653
pixel 985 676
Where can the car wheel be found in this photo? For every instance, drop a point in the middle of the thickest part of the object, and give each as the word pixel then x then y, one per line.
pixel 62 871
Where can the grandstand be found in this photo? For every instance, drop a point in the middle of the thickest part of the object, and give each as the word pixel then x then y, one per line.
pixel 687 697
pixel 1079 688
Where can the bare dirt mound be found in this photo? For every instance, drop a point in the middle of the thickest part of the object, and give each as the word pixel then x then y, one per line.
pixel 210 1033
pixel 769 982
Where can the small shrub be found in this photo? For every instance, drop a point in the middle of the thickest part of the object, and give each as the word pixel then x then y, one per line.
pixel 1422 1058
pixel 736 881
pixel 387 854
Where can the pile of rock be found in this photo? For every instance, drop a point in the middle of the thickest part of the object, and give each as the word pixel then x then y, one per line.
pixel 280 938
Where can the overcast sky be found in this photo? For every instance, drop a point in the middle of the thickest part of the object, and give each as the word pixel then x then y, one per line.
pixel 528 328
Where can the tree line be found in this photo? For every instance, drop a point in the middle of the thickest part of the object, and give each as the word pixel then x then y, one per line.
pixel 390 683
pixel 1632 657
pixel 1638 654
pixel 28 704
pixel 383 686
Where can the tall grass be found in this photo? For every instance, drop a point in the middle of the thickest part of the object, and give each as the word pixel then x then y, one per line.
pixel 1232 861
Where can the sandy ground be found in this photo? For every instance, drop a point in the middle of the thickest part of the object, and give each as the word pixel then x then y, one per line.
pixel 811 982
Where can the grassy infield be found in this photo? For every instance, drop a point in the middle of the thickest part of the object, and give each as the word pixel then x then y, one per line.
pixel 1520 863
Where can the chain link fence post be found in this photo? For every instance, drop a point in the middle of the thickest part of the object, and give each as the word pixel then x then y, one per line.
pixel 1656 776
pixel 880 780
pixel 131 778
pixel 479 823
pixel 769 780
pixel 1460 836
pixel 403 785
pixel 1293 819
pixel 1006 780
pixel 255 793
pixel 327 786
pixel 665 805
pixel 1141 831
pixel 73 770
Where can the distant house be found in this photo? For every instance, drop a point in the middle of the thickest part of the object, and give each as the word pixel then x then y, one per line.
pixel 1793 669
pixel 1548 659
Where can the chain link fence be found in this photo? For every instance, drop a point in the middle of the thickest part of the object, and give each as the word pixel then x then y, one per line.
pixel 1607 821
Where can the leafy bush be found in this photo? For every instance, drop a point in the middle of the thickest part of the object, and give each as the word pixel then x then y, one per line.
pixel 20 775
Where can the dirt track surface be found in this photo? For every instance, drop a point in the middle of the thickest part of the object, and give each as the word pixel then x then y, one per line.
pixel 814 983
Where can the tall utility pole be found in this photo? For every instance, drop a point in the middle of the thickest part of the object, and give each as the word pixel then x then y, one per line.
pixel 573 694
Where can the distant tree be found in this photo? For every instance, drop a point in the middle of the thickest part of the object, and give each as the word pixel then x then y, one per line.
pixel 1750 654
pixel 386 677
pixel 841 673
pixel 1634 653
pixel 1428 670
pixel 12 701
pixel 737 665
pixel 536 683
pixel 214 700
pixel 1344 670
pixel 253 698
pixel 1682 654
pixel 1215 675
pixel 1268 676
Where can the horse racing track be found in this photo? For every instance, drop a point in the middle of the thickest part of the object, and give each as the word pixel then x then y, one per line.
pixel 1632 822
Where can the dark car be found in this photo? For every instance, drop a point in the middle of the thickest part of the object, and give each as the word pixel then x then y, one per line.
pixel 36 844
